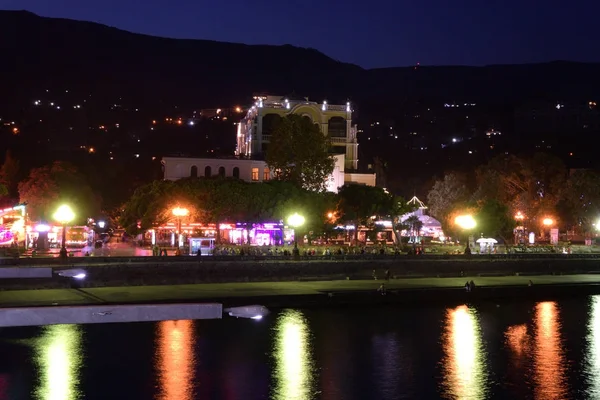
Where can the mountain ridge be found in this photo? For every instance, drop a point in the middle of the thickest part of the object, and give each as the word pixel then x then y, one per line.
pixel 88 56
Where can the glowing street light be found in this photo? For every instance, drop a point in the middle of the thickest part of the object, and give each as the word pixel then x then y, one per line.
pixel 519 216
pixel 296 220
pixel 548 222
pixel 466 223
pixel 180 213
pixel 64 215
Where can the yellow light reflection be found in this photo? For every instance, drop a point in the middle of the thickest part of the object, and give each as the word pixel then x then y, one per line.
pixel 549 360
pixel 464 363
pixel 59 358
pixel 592 367
pixel 175 358
pixel 292 354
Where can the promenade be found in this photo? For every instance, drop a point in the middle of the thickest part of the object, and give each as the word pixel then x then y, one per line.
pixel 312 292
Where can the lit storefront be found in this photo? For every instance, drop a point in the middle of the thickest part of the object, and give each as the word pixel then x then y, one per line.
pixel 265 234
pixel 12 226
pixel 76 236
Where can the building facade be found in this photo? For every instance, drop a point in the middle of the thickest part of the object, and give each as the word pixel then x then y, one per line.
pixel 246 169
pixel 254 131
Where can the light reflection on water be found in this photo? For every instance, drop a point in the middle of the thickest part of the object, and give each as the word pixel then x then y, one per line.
pixel 392 368
pixel 592 361
pixel 539 355
pixel 464 364
pixel 294 369
pixel 544 348
pixel 175 359
pixel 58 355
pixel 549 358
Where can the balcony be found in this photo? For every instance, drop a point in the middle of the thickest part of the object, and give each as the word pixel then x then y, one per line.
pixel 338 140
pixel 333 107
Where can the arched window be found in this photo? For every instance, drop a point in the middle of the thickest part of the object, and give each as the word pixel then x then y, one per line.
pixel 337 127
pixel 236 172
pixel 194 171
pixel 207 172
pixel 221 171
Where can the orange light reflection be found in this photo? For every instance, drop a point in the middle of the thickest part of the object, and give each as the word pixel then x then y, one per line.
pixel 464 363
pixel 517 339
pixel 549 360
pixel 176 361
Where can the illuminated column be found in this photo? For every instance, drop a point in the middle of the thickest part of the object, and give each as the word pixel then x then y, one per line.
pixel 464 363
pixel 175 359
pixel 293 366
pixel 257 144
pixel 58 355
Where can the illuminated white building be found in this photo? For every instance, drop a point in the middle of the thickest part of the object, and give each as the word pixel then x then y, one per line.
pixel 253 137
pixel 254 131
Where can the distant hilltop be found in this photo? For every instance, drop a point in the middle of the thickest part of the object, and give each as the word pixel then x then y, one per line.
pixel 59 53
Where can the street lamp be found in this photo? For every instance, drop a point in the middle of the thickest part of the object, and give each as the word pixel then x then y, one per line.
pixel 466 223
pixel 519 229
pixel 548 223
pixel 180 213
pixel 296 220
pixel 64 215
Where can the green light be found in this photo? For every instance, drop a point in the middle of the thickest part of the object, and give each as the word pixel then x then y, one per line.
pixel 292 353
pixel 59 359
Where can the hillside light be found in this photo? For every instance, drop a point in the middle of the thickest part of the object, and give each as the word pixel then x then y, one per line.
pixel 64 215
pixel 296 220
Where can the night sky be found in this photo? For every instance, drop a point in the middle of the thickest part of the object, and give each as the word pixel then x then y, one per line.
pixel 375 33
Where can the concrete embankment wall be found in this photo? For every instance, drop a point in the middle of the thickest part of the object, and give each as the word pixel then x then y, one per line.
pixel 34 316
pixel 156 271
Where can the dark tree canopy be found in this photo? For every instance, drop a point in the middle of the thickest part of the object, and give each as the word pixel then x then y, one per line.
pixel 299 152
pixel 59 183
pixel 9 175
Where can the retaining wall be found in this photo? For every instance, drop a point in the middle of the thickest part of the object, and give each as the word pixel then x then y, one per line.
pixel 181 270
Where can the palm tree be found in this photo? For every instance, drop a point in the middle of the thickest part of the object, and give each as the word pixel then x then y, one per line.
pixel 414 227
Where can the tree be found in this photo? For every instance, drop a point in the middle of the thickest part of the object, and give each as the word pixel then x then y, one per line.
pixel 47 187
pixel 495 219
pixel 153 203
pixel 9 174
pixel 414 226
pixel 532 185
pixel 445 197
pixel 358 203
pixel 580 203
pixel 299 152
